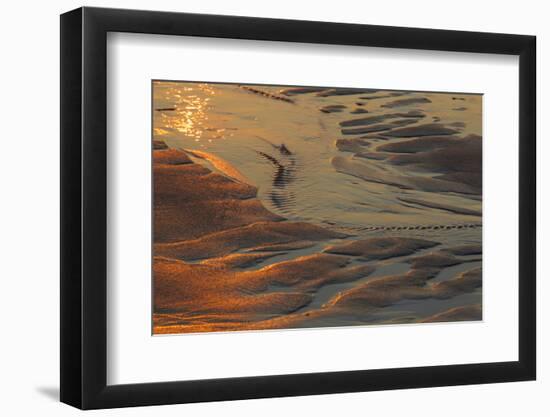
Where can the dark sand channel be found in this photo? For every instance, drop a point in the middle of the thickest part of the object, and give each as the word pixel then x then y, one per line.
pixel 310 207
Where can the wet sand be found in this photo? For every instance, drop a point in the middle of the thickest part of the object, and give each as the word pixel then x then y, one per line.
pixel 243 241
pixel 214 277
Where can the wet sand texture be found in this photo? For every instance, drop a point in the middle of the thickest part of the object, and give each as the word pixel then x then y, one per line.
pixel 296 207
pixel 463 313
pixel 220 293
pixel 381 248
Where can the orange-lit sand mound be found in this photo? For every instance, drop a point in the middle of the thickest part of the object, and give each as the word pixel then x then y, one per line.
pixel 191 201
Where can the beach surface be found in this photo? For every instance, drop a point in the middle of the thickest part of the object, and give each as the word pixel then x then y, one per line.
pixel 303 207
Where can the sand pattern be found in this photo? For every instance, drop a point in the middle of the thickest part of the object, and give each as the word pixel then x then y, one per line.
pixel 314 207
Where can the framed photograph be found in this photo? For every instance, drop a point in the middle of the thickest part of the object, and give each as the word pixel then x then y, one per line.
pixel 257 208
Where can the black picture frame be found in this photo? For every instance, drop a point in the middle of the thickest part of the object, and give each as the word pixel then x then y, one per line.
pixel 84 207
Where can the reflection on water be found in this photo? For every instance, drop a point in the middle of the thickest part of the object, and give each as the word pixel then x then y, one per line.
pixel 190 111
pixel 287 149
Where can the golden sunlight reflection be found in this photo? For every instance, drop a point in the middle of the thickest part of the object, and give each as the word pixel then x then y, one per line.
pixel 183 109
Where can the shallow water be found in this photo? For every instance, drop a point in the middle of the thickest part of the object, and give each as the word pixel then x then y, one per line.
pixel 246 130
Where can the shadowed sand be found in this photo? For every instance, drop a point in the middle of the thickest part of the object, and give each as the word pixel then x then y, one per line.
pixel 463 313
pixel 414 284
pixel 381 248
pixel 421 155
pixel 265 236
